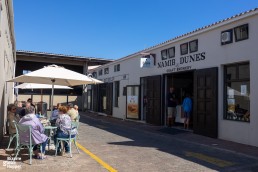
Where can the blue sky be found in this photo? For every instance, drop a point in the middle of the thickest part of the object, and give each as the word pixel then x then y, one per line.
pixel 112 29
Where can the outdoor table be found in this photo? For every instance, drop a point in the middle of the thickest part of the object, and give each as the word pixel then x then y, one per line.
pixel 50 128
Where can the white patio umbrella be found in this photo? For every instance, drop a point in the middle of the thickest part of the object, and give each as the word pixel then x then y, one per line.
pixel 41 87
pixel 54 75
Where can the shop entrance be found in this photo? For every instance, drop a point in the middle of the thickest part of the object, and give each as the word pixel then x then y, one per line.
pixel 202 85
pixel 102 98
pixel 183 83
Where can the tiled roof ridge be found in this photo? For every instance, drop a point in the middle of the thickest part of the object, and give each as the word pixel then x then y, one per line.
pixel 64 55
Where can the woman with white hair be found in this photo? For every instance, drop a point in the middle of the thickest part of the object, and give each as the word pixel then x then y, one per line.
pixel 38 136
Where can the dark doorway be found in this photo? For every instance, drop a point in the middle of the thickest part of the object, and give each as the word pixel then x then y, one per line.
pixel 151 87
pixel 205 120
pixel 183 83
pixel 102 98
pixel 105 98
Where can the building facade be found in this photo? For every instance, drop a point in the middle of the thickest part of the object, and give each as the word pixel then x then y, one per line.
pixel 215 64
pixel 28 61
pixel 7 60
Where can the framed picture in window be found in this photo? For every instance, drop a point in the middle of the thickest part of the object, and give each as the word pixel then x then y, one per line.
pixel 241 32
pixel 171 52
pixel 193 46
pixel 184 48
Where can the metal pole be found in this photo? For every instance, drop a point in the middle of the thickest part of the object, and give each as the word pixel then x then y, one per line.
pixel 52 96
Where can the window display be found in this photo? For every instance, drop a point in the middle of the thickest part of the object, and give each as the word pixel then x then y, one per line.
pixel 237 93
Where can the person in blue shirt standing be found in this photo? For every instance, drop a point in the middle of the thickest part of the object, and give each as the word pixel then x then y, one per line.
pixel 187 107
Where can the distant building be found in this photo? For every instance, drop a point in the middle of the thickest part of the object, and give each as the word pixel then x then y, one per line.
pixel 28 61
pixel 7 60
pixel 216 64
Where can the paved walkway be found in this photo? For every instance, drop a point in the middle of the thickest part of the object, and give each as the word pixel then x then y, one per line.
pixel 85 162
pixel 187 136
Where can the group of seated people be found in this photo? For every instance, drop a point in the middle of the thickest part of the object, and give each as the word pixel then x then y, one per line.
pixel 62 116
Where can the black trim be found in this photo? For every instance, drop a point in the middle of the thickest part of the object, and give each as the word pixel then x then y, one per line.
pixel 231 37
pixel 193 50
pixel 181 51
pixel 239 27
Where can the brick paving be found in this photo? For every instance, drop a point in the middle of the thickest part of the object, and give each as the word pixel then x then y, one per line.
pixel 129 153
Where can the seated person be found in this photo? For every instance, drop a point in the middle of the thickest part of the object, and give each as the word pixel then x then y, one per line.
pixel 76 109
pixel 63 123
pixel 11 116
pixel 19 107
pixel 55 114
pixel 22 112
pixel 72 112
pixel 38 136
pixel 30 101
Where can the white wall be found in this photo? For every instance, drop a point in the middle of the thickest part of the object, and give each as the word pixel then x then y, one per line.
pixel 7 61
pixel 216 55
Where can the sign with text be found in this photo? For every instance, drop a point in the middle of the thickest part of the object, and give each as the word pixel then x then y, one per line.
pixel 146 62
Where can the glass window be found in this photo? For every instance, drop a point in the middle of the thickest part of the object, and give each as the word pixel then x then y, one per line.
pixel 238 94
pixel 241 32
pixel 164 55
pixel 171 52
pixel 184 48
pixel 244 71
pixel 231 72
pixel 106 71
pixel 117 68
pixel 94 74
pixel 193 46
pixel 100 72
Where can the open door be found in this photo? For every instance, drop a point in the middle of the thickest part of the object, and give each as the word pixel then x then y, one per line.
pixel 152 94
pixel 205 119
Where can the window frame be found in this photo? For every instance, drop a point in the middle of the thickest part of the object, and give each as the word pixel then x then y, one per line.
pixel 239 27
pixel 94 74
pixel 196 48
pixel 234 80
pixel 181 50
pixel 117 68
pixel 161 53
pixel 100 72
pixel 106 70
pixel 174 52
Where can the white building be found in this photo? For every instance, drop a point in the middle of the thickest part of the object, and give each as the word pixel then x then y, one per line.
pixel 7 60
pixel 217 64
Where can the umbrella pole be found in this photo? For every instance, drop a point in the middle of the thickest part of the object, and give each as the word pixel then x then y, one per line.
pixel 52 96
pixel 42 102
